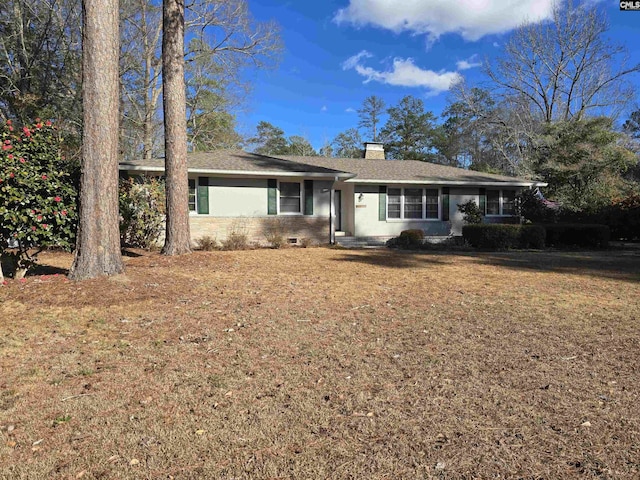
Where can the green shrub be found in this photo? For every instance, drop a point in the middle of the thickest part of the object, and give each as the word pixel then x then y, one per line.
pixel 414 234
pixel 492 236
pixel 410 238
pixel 534 209
pixel 207 243
pixel 532 236
pixel 37 195
pixel 471 212
pixel 623 218
pixel 142 208
pixel 577 235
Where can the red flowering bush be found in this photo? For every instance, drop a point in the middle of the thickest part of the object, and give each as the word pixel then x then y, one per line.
pixel 37 196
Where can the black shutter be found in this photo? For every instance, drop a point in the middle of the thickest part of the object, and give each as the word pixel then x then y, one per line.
pixel 203 195
pixel 272 196
pixel 445 203
pixel 308 197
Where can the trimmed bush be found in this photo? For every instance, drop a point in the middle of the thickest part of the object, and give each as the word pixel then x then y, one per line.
pixel 504 237
pixel 532 236
pixel 623 218
pixel 415 235
pixel 492 236
pixel 577 235
pixel 410 239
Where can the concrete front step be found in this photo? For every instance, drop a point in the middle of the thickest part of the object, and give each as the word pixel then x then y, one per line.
pixel 362 242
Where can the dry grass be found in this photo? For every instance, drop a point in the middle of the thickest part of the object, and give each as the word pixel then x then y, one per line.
pixel 321 363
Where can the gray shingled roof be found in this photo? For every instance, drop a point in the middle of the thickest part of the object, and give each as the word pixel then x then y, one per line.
pixel 411 171
pixel 236 161
pixel 364 170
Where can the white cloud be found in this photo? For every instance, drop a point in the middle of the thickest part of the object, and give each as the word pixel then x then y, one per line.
pixel 324 108
pixel 472 19
pixel 351 62
pixel 403 73
pixel 468 63
pixel 350 110
pixel 496 44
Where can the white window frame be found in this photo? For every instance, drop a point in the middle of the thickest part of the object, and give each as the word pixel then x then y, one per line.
pixel 301 184
pixel 501 202
pixel 423 218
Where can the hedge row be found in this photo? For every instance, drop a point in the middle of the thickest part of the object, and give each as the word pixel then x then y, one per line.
pixel 503 237
pixel 577 235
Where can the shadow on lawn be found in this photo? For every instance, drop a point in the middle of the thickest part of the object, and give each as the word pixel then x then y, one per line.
pixel 619 265
pixel 35 271
pixel 40 269
pixel 390 258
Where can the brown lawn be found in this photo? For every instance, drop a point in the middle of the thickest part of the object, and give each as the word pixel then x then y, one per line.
pixel 325 364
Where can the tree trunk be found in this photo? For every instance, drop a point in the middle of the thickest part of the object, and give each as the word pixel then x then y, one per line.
pixel 98 242
pixel 147 138
pixel 177 238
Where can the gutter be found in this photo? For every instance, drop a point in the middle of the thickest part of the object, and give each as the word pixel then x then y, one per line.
pixel 243 173
pixel 465 183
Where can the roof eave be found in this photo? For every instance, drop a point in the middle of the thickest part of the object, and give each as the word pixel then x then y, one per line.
pixel 451 182
pixel 244 173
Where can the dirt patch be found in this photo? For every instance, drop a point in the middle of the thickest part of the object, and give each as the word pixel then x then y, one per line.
pixel 323 363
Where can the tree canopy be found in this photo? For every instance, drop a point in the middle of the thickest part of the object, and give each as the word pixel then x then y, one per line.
pixel 409 131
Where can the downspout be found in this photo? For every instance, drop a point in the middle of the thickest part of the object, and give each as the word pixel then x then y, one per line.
pixel 332 227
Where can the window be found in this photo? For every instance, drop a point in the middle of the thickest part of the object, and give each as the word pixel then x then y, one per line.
pixel 413 203
pixel 508 202
pixel 395 202
pixel 493 202
pixel 432 203
pixel 192 194
pixel 501 202
pixel 290 199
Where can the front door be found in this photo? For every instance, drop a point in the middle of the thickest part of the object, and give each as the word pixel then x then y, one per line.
pixel 337 202
pixel 458 197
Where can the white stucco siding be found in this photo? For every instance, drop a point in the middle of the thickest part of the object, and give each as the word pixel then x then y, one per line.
pixel 321 198
pixel 235 197
pixel 248 197
pixel 367 223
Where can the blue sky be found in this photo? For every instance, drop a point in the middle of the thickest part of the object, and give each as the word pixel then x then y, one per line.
pixel 338 52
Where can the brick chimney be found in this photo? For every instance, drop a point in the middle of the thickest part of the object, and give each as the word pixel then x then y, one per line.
pixel 374 150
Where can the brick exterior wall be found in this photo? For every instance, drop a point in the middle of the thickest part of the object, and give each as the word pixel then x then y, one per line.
pixel 316 229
